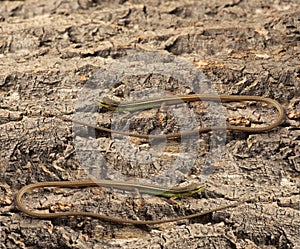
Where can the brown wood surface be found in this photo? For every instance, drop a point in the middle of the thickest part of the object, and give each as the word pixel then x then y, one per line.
pixel 49 50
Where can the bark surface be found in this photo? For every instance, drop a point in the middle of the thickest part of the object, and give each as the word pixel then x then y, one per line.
pixel 50 49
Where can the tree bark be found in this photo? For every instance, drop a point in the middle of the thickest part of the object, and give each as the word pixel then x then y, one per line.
pixel 51 49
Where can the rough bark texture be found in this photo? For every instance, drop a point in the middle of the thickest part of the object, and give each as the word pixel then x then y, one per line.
pixel 49 49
